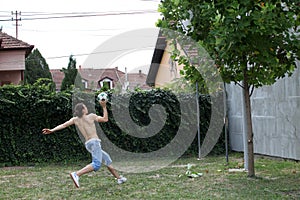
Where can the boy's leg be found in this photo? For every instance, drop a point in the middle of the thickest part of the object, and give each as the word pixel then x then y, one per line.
pixel 120 179
pixel 94 147
pixel 108 161
pixel 113 172
pixel 86 169
pixel 75 175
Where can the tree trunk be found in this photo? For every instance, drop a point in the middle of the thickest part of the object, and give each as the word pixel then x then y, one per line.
pixel 251 172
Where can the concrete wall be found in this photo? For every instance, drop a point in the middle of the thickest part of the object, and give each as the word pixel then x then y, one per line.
pixel 275 115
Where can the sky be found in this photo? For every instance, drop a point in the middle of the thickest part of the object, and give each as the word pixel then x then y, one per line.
pixel 58 38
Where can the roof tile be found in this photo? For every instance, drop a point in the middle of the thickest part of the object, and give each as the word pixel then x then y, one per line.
pixel 9 42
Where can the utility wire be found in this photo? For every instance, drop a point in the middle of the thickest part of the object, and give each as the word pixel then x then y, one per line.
pixel 75 55
pixel 63 13
pixel 72 15
pixel 87 14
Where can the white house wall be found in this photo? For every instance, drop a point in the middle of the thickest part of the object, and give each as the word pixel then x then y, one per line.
pixel 275 115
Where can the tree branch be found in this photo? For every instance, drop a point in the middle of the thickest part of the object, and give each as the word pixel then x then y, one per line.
pixel 252 90
pixel 240 85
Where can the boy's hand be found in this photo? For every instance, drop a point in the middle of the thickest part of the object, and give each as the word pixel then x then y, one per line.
pixel 103 103
pixel 46 131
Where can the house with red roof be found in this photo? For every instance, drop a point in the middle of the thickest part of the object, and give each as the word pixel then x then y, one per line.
pixel 137 80
pixel 112 78
pixel 13 53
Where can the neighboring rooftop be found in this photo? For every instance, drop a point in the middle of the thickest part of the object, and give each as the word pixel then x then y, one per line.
pixel 93 77
pixel 96 75
pixel 8 42
pixel 137 80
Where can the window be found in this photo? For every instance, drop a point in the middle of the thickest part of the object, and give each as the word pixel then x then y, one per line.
pixel 108 83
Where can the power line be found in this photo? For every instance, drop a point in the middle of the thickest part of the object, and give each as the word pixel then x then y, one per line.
pixel 37 16
pixel 76 55
pixel 59 13
pixel 83 14
pixel 64 15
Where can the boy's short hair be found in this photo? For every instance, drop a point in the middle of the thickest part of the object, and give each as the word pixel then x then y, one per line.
pixel 78 110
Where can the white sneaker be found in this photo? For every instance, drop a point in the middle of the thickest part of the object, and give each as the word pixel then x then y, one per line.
pixel 121 180
pixel 75 179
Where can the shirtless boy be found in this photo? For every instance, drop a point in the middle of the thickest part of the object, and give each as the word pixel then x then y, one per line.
pixel 85 123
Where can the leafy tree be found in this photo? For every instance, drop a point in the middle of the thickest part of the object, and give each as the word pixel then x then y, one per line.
pixel 45 83
pixel 72 77
pixel 253 43
pixel 36 67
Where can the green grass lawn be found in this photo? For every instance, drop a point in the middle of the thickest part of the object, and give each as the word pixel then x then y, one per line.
pixel 275 179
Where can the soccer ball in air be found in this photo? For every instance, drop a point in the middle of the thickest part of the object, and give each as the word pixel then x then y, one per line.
pixel 102 96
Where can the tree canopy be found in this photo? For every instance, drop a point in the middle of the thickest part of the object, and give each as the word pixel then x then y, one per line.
pixel 253 42
pixel 260 38
pixel 36 67
pixel 72 77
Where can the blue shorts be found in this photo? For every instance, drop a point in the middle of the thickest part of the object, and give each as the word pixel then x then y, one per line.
pixel 94 147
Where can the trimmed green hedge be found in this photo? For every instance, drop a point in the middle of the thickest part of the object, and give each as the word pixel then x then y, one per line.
pixel 25 110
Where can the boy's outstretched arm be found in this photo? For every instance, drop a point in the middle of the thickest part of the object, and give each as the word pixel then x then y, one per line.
pixel 59 127
pixel 105 114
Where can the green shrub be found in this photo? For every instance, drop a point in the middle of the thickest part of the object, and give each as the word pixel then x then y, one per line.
pixel 27 109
